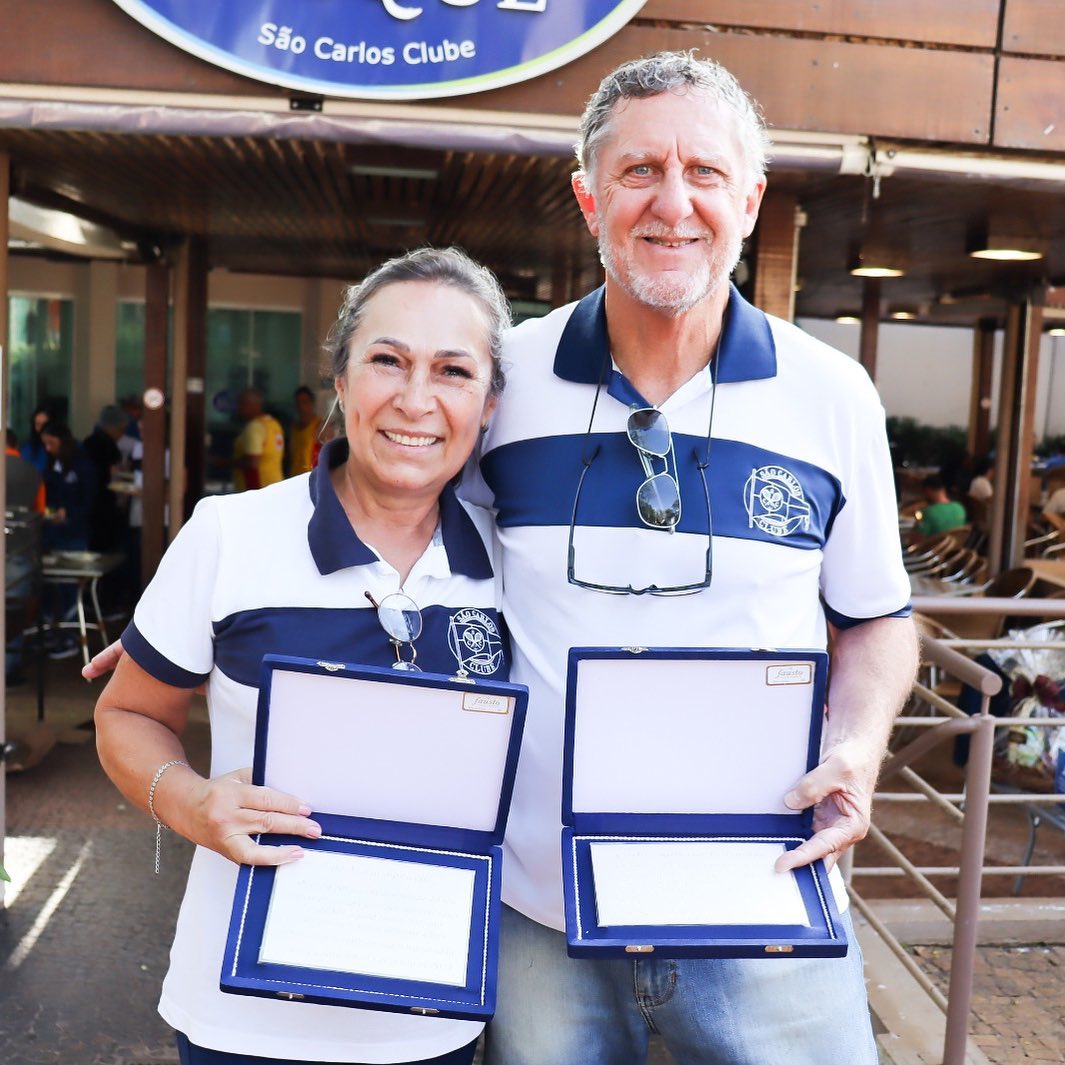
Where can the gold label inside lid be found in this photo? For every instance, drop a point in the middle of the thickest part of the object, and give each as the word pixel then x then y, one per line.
pixel 484 703
pixel 790 673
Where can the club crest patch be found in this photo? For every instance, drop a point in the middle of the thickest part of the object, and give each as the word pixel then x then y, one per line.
pixel 475 641
pixel 775 501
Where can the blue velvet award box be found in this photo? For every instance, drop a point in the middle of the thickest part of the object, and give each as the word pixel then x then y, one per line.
pixel 676 766
pixel 396 906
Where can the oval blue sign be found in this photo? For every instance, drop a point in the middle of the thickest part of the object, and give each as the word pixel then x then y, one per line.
pixel 385 49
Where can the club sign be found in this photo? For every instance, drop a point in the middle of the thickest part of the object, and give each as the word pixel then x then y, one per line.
pixel 386 49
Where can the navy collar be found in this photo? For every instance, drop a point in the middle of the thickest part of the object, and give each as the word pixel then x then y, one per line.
pixel 335 545
pixel 747 351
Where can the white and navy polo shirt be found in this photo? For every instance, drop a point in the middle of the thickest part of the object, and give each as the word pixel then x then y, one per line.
pixel 802 508
pixel 280 570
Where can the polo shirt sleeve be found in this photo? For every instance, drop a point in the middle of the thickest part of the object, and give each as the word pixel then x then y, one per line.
pixel 862 575
pixel 171 634
pixel 254 437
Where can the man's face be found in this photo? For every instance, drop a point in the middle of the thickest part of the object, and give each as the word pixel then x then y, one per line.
pixel 672 200
pixel 305 409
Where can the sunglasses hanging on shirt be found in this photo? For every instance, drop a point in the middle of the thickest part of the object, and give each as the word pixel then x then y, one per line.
pixel 658 498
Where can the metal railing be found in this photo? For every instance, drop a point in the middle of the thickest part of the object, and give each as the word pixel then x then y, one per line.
pixel 969 810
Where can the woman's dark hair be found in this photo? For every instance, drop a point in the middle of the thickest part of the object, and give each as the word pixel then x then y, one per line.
pixel 445 266
pixel 68 446
pixel 41 408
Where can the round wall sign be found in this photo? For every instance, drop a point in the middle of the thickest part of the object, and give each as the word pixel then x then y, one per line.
pixel 153 398
pixel 386 49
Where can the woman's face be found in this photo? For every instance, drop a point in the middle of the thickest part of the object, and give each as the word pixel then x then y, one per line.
pixel 40 420
pixel 416 389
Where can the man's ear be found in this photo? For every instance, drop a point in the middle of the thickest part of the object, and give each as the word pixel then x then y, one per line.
pixel 751 205
pixel 585 201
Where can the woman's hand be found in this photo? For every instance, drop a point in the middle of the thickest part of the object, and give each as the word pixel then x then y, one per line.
pixel 226 812
pixel 104 662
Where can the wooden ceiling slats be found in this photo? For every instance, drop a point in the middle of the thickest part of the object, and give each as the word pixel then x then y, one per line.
pixel 293 207
pixel 290 171
pixel 208 166
pixel 348 223
pixel 273 219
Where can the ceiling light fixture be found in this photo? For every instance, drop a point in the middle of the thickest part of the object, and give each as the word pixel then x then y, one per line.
pixel 903 314
pixel 397 222
pixel 848 319
pixel 416 173
pixel 875 260
pixel 1005 244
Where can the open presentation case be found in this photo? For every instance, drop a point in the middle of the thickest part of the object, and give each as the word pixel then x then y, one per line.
pixel 676 766
pixel 396 906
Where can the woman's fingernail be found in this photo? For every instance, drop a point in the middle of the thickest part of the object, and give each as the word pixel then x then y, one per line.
pixel 294 854
pixel 315 830
pixel 304 809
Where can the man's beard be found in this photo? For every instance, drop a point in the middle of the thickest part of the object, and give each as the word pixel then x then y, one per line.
pixel 672 295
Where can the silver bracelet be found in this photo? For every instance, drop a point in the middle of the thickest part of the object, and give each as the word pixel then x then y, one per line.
pixel 159 826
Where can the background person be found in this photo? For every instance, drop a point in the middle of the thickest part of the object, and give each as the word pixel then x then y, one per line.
pixel 415 356
pixel 942 513
pixel 259 449
pixel 307 435
pixel 25 500
pixel 107 518
pixel 32 449
pixel 70 486
pixel 788 438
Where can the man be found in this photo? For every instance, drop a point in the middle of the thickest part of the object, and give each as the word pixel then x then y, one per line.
pixel 305 437
pixel 106 520
pixel 942 513
pixel 788 437
pixel 260 447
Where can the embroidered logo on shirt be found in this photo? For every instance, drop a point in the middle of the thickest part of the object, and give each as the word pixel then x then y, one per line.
pixel 775 501
pixel 475 641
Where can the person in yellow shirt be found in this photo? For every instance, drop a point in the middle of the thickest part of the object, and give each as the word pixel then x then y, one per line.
pixel 260 448
pixel 306 436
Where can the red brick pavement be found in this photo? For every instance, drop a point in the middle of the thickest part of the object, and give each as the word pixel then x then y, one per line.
pixel 1018 1008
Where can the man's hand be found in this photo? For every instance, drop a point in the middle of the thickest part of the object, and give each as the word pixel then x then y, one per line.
pixel 841 792
pixel 872 671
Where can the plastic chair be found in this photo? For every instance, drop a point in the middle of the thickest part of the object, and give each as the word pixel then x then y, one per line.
pixel 1011 584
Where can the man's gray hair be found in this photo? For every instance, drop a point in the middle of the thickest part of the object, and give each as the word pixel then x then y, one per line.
pixel 676 72
pixel 446 266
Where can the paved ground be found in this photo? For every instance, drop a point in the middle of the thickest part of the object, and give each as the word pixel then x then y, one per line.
pixel 83 943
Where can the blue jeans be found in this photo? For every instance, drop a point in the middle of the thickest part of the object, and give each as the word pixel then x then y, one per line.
pixel 194 1055
pixel 557 1010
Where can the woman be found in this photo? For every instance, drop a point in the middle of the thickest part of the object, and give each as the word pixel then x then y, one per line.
pixel 69 486
pixel 32 449
pixel 289 569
